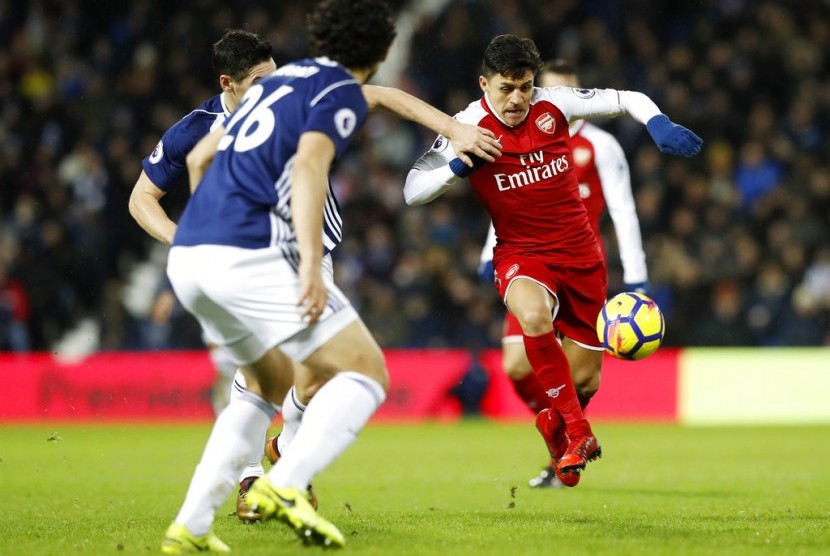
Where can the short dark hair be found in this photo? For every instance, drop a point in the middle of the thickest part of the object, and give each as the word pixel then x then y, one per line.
pixel 238 51
pixel 511 56
pixel 355 33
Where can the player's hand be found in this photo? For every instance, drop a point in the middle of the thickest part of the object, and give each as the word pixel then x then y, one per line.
pixel 672 138
pixel 638 287
pixel 471 142
pixel 313 292
pixel 486 272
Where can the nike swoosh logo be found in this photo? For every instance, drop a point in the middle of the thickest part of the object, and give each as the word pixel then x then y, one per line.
pixel 288 502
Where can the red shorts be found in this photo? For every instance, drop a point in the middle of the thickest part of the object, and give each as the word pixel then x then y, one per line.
pixel 580 291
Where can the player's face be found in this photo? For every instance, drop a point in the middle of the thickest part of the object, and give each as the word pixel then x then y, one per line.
pixel 509 97
pixel 550 79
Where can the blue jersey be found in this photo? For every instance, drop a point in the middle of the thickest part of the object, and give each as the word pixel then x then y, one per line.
pixel 244 199
pixel 166 163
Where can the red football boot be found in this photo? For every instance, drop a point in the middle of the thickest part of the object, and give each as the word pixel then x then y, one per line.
pixel 554 436
pixel 553 432
pixel 580 451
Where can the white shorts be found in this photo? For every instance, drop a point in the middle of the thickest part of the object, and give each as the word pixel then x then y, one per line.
pixel 245 300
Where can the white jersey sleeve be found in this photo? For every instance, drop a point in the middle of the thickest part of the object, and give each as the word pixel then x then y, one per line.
pixel 576 104
pixel 489 245
pixel 615 179
pixel 431 176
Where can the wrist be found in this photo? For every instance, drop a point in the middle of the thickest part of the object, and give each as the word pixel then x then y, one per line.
pixel 658 123
pixel 459 168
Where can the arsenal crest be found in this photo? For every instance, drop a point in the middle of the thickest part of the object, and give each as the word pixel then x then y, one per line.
pixel 546 123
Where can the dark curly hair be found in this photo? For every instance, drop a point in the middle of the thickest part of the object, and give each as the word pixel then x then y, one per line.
pixel 511 56
pixel 356 33
pixel 238 51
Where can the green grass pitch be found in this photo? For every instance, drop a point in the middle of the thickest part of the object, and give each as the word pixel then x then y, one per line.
pixel 438 490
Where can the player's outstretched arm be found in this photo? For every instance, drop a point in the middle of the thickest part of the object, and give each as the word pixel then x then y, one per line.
pixel 202 155
pixel 468 140
pixel 145 207
pixel 669 137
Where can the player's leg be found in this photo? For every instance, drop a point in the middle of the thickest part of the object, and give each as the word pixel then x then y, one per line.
pixel 220 394
pixel 293 408
pixel 586 368
pixel 212 295
pixel 533 306
pixel 253 469
pixel 235 439
pixel 305 386
pixel 529 389
pixel 517 367
pixel 333 417
pixel 340 408
pixel 582 293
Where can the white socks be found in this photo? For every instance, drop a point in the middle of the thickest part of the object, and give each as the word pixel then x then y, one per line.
pixel 332 419
pixel 292 417
pixel 236 438
pixel 253 468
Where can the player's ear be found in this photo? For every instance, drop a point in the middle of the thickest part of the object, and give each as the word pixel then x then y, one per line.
pixel 225 82
pixel 482 82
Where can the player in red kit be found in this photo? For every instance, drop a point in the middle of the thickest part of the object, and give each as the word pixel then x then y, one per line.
pixel 604 182
pixel 549 264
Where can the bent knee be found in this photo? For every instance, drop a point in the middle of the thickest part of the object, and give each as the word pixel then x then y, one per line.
pixel 373 366
pixel 515 363
pixel 587 384
pixel 535 321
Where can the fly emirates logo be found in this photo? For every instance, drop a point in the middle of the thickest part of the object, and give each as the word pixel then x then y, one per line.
pixel 536 169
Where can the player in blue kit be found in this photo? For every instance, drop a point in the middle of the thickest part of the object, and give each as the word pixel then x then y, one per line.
pixel 247 262
pixel 240 59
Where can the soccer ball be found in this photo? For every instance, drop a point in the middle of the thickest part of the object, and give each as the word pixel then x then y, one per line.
pixel 630 326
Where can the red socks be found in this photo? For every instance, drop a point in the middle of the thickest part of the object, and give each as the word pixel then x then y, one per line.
pixel 531 392
pixel 553 372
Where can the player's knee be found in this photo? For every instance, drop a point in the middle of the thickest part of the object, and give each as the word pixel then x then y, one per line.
pixel 305 392
pixel 535 320
pixel 374 366
pixel 516 368
pixel 586 384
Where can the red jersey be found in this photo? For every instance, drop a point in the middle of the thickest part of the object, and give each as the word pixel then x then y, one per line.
pixel 532 191
pixel 604 183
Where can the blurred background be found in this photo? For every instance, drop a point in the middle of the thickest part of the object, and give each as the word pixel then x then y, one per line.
pixel 737 238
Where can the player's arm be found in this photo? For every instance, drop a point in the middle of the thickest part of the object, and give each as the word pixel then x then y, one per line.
pixel 145 207
pixel 669 137
pixel 433 174
pixel 200 157
pixel 615 180
pixel 309 185
pixel 467 140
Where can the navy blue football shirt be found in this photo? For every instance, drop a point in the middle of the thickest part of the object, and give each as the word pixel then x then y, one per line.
pixel 244 199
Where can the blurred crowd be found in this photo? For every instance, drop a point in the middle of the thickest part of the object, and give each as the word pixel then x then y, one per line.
pixel 737 238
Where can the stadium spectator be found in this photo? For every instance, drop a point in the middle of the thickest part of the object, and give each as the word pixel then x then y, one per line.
pixel 739 72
